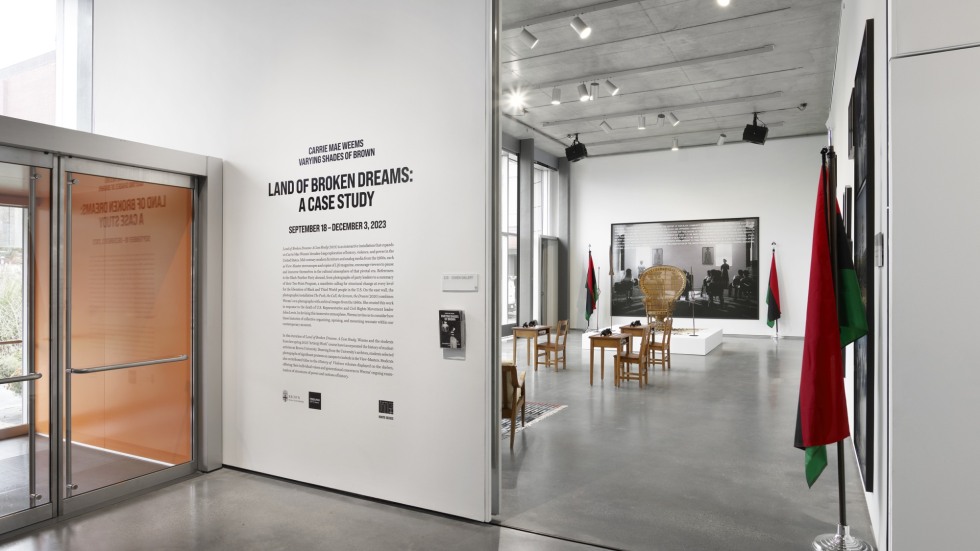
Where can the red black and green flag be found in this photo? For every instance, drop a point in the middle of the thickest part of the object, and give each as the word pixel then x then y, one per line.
pixel 850 307
pixel 591 289
pixel 772 297
pixel 834 319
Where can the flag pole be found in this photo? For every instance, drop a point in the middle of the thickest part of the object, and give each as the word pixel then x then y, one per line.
pixel 842 540
pixel 694 321
pixel 598 269
pixel 776 337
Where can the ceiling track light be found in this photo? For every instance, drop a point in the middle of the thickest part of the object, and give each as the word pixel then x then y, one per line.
pixel 611 88
pixel 674 146
pixel 595 91
pixel 605 127
pixel 528 39
pixel 724 3
pixel 660 120
pixel 583 29
pixel 721 139
pixel 583 92
pixel 556 96
pixel 641 122
pixel 674 121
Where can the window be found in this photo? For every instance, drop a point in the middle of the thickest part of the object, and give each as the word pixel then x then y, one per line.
pixel 544 181
pixel 42 45
pixel 508 239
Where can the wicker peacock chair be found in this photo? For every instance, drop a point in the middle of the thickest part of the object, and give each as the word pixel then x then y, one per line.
pixel 661 287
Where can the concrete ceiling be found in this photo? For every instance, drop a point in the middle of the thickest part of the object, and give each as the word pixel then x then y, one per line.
pixel 711 66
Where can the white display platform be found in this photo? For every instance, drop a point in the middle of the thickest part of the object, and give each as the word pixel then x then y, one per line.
pixel 706 341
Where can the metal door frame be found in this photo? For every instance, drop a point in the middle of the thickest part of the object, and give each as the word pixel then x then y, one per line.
pixel 71 503
pixel 46 511
pixel 33 144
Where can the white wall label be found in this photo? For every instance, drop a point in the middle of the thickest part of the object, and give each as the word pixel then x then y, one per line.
pixel 461 282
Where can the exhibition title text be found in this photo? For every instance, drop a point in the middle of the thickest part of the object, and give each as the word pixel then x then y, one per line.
pixel 348 190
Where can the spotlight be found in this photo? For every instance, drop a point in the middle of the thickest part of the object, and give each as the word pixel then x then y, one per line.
pixel 595 91
pixel 641 122
pixel 583 92
pixel 673 119
pixel 556 96
pixel 721 139
pixel 605 127
pixel 754 133
pixel 674 147
pixel 611 88
pixel 576 152
pixel 529 39
pixel 660 120
pixel 724 3
pixel 581 28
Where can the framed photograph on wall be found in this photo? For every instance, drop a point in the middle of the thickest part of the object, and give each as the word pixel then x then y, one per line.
pixel 863 235
pixel 708 256
pixel 719 256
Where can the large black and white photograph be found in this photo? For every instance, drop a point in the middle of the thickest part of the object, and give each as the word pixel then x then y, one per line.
pixel 720 258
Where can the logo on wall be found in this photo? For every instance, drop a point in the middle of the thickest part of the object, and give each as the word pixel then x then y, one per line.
pixel 314 400
pixel 287 397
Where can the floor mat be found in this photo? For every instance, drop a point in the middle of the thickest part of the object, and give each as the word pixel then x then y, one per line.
pixel 535 412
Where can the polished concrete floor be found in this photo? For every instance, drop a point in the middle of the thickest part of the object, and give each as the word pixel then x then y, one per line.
pixel 700 459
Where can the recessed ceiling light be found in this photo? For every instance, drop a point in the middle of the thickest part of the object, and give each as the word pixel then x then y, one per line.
pixel 583 92
pixel 556 96
pixel 581 28
pixel 529 39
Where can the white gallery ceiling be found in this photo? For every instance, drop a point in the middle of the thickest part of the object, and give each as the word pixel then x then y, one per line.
pixel 711 66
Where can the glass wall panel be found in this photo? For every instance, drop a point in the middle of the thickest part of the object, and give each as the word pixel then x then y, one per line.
pixel 130 303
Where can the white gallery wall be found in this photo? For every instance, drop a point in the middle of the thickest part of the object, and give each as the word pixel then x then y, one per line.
pixel 934 377
pixel 776 182
pixel 332 295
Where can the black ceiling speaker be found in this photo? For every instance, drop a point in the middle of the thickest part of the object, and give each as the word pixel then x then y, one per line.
pixel 754 133
pixel 576 151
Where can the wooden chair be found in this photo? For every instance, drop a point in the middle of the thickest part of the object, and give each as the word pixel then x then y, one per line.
pixel 663 347
pixel 512 396
pixel 625 361
pixel 551 350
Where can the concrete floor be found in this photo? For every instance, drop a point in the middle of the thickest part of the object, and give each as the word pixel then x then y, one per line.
pixel 701 459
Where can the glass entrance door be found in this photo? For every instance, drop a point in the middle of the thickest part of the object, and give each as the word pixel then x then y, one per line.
pixel 128 379
pixel 25 444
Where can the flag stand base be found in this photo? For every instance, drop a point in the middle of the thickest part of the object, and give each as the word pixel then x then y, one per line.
pixel 841 541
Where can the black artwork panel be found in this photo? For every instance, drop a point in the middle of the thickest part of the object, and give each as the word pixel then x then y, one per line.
pixel 864 223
